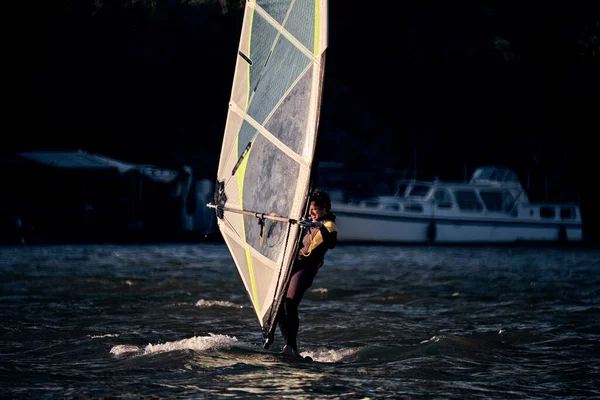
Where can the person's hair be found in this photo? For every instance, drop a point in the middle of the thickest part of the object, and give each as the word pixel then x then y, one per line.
pixel 321 199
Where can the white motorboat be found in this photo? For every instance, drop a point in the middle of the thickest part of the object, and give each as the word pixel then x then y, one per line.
pixel 492 208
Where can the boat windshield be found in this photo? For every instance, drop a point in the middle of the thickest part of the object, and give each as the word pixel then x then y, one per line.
pixel 495 174
pixel 418 191
pixel 401 189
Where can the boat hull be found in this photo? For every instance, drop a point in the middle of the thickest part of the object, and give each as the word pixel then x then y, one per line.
pixel 358 224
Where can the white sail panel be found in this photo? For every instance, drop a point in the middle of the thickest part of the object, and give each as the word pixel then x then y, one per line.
pixel 256 272
pixel 240 88
pixel 239 254
pixel 269 142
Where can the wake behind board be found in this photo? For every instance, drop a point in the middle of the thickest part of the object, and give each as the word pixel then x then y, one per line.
pixel 286 357
pixel 278 354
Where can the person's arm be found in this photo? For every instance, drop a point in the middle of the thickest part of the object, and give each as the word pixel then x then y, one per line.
pixel 326 236
pixel 329 233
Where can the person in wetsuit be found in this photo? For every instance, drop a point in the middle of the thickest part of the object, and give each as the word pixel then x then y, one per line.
pixel 315 241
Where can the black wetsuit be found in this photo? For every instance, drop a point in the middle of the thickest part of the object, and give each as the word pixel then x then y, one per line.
pixel 315 243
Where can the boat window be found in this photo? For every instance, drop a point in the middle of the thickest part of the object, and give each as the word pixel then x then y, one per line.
pixel 497 200
pixel 442 198
pixel 401 189
pixel 467 200
pixel 371 203
pixel 508 200
pixel 393 207
pixel 482 173
pixel 567 213
pixel 413 208
pixel 419 191
pixel 511 177
pixel 547 212
pixel 496 175
pixel 492 199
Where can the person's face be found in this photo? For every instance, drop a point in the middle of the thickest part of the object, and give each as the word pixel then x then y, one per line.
pixel 316 212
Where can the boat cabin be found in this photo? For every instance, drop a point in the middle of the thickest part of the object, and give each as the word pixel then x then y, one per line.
pixel 494 190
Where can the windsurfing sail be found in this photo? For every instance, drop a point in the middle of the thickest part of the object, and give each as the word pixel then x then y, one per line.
pixel 264 173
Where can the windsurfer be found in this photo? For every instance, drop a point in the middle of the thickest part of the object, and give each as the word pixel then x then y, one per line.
pixel 319 235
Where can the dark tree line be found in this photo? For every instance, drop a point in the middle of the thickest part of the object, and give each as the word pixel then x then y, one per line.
pixel 433 85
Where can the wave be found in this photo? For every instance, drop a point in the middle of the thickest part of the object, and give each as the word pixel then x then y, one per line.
pixel 229 344
pixel 196 343
pixel 104 336
pixel 216 303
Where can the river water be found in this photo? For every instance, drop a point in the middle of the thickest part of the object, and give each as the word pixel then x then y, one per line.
pixel 174 321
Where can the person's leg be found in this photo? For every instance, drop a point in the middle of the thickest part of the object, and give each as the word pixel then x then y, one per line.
pixel 284 318
pixel 292 323
pixel 289 319
pixel 281 318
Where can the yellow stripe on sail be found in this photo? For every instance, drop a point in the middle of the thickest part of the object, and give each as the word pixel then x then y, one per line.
pixel 241 172
pixel 253 284
pixel 317 26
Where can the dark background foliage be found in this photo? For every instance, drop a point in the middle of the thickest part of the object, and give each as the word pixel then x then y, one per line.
pixel 427 88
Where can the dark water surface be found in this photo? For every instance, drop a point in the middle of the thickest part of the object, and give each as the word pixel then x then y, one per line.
pixel 173 321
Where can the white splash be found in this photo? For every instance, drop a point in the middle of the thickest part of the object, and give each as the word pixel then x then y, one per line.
pixel 123 349
pixel 433 339
pixel 328 355
pixel 103 336
pixel 195 343
pixel 201 343
pixel 217 303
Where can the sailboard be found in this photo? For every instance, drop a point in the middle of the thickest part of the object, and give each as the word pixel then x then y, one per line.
pixel 266 162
